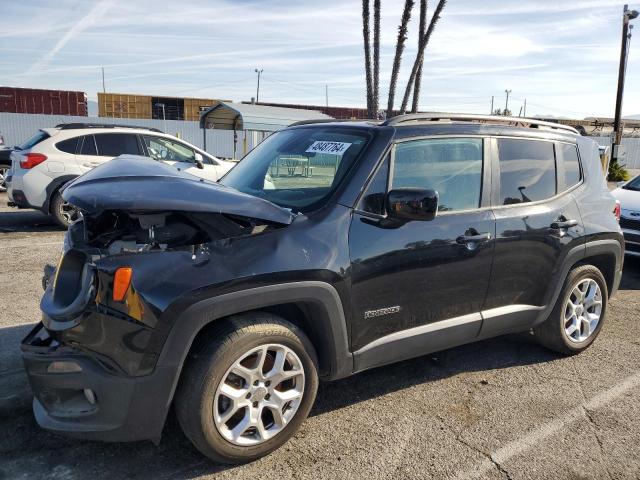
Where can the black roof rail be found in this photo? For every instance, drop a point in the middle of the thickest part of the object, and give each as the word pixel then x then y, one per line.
pixel 491 119
pixel 331 120
pixel 76 126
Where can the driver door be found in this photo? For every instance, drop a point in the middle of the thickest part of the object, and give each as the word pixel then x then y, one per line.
pixel 417 285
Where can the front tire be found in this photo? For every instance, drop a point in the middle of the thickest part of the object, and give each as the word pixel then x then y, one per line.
pixel 579 313
pixel 247 389
pixel 63 213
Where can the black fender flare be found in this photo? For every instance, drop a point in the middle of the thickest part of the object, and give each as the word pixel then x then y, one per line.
pixel 322 297
pixel 575 256
pixel 53 187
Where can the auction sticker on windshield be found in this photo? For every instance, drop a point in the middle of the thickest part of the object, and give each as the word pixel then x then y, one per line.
pixel 334 148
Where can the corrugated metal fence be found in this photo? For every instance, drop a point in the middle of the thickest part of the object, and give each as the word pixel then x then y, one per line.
pixel 631 147
pixel 17 127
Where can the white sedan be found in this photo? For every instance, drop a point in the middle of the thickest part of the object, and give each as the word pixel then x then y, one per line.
pixel 628 194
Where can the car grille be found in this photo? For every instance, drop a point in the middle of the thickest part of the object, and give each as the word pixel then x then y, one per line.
pixel 629 224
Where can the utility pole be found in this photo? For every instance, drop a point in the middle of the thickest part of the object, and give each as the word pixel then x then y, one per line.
pixel 525 107
pixel 259 72
pixel 491 112
pixel 326 95
pixel 506 103
pixel 104 90
pixel 627 16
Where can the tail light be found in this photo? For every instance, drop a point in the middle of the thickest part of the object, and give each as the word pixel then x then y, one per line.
pixel 616 210
pixel 121 281
pixel 30 160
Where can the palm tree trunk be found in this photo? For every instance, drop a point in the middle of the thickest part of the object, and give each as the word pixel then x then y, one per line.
pixel 367 55
pixel 421 32
pixel 420 57
pixel 376 58
pixel 402 37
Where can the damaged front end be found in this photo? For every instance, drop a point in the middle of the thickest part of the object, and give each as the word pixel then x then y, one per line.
pixel 146 230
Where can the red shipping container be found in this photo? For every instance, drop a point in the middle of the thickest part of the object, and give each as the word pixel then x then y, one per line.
pixel 49 102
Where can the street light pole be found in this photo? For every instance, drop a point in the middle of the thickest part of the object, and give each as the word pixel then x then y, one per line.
pixel 627 16
pixel 259 72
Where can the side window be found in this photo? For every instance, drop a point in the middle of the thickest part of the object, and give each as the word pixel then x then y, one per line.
pixel 451 166
pixel 68 146
pixel 571 164
pixel 373 199
pixel 114 144
pixel 160 148
pixel 88 145
pixel 527 170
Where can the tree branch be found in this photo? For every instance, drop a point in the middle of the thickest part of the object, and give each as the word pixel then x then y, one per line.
pixel 402 37
pixel 420 56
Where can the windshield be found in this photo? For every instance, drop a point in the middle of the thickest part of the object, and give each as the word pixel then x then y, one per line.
pixel 633 184
pixel 33 141
pixel 298 168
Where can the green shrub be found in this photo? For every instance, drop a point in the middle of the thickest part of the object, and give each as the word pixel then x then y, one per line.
pixel 617 172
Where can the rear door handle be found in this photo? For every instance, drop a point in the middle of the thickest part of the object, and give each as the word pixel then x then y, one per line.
pixel 560 224
pixel 478 238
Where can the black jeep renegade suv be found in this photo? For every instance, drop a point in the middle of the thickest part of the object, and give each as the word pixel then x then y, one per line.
pixel 330 249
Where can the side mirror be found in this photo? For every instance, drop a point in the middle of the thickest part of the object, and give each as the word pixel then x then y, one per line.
pixel 412 204
pixel 199 160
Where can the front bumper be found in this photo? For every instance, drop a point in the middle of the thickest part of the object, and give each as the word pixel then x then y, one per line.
pixel 124 408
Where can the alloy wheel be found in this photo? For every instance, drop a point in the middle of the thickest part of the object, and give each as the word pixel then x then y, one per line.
pixel 259 395
pixel 3 178
pixel 583 310
pixel 68 212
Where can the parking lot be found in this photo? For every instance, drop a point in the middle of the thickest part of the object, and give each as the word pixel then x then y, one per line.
pixel 503 408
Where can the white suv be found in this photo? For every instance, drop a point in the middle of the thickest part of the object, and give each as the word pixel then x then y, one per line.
pixel 53 156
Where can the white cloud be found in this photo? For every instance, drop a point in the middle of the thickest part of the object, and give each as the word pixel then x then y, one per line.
pixel 94 14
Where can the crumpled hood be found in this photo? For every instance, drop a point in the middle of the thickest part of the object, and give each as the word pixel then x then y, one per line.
pixel 140 184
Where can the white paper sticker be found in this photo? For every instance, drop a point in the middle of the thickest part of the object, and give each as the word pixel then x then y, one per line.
pixel 334 148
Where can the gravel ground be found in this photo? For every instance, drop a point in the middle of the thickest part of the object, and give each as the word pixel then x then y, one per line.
pixel 503 408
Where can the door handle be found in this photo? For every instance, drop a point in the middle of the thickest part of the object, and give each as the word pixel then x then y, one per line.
pixel 560 224
pixel 478 238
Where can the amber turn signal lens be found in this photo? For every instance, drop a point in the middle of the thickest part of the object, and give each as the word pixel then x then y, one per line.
pixel 121 281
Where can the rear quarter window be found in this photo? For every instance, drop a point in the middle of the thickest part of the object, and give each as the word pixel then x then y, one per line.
pixel 68 146
pixel 571 164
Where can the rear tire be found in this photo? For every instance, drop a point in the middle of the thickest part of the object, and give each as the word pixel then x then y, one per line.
pixel 579 313
pixel 63 213
pixel 202 403
pixel 4 170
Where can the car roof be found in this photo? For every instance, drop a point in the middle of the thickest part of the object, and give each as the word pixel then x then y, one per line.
pixel 461 127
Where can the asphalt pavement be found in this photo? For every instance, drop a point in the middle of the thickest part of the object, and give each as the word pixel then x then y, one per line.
pixel 503 408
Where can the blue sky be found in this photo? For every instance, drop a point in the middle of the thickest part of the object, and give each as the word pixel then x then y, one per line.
pixel 562 55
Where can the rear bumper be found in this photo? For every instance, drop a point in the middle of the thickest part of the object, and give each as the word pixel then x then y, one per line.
pixel 18 199
pixel 632 242
pixel 118 408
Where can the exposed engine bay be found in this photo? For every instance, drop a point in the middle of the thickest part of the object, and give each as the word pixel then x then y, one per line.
pixel 114 232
